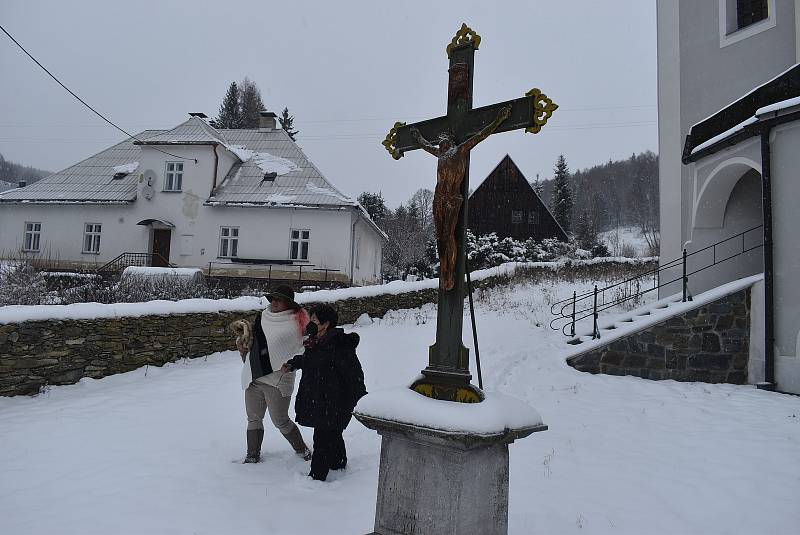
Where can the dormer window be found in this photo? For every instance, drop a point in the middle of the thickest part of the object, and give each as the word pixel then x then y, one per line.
pixel 269 177
pixel 173 178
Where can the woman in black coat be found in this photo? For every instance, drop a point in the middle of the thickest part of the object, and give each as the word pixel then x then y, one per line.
pixel 331 384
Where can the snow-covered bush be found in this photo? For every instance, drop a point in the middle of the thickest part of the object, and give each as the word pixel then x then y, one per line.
pixel 489 250
pixel 22 284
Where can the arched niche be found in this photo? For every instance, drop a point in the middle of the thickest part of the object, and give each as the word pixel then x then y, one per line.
pixel 712 199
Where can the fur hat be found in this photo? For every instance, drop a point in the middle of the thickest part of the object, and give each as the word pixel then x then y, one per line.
pixel 285 293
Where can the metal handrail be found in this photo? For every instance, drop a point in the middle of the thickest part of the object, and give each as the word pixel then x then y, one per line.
pixel 558 308
pixel 655 271
pixel 116 263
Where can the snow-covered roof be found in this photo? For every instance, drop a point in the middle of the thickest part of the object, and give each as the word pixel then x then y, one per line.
pixel 272 171
pixel 195 131
pixel 89 181
pixel 297 181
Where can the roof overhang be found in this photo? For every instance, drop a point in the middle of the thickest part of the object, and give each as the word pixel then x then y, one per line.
pixel 156 223
pixel 742 118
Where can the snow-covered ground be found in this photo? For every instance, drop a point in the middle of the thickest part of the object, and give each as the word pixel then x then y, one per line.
pixel 156 450
pixel 625 237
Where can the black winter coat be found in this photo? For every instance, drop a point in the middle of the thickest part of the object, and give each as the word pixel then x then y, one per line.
pixel 332 381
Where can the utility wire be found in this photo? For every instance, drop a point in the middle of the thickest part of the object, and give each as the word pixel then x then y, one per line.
pixel 83 101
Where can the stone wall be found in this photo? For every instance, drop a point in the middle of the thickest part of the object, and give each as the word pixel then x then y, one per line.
pixel 34 354
pixel 709 343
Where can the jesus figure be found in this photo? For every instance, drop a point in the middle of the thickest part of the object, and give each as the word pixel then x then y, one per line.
pixel 447 200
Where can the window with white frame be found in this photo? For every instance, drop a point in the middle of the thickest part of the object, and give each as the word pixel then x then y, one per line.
pixel 298 245
pixel 516 216
pixel 173 178
pixel 91 238
pixel 750 11
pixel 33 232
pixel 740 19
pixel 228 242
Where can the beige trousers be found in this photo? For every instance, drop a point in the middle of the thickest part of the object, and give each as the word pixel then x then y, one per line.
pixel 258 399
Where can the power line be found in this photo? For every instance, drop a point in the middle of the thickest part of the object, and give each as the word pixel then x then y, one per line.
pixel 345 137
pixel 317 121
pixel 83 101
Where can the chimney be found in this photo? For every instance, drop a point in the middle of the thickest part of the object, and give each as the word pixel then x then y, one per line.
pixel 23 183
pixel 266 120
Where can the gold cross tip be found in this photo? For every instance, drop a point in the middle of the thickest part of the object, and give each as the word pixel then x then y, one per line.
pixel 391 139
pixel 464 36
pixel 543 108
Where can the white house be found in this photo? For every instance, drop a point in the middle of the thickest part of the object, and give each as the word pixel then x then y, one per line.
pixel 729 144
pixel 194 196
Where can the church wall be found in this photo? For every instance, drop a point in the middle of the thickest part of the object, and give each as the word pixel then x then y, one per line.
pixel 697 76
pixel 785 156
pixel 670 141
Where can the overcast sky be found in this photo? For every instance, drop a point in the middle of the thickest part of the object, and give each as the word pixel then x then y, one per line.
pixel 346 70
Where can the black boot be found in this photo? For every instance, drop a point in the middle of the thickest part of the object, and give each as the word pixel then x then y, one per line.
pixel 254 439
pixel 298 444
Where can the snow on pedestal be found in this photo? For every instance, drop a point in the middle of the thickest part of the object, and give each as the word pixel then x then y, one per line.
pixel 444 465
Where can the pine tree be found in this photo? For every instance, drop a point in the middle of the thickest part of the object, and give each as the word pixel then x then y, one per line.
pixel 538 187
pixel 374 204
pixel 562 195
pixel 250 103
pixel 230 113
pixel 287 121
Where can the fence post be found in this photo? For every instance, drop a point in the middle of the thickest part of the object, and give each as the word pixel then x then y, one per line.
pixel 269 275
pixel 596 332
pixel 300 273
pixel 209 269
pixel 574 296
pixel 685 278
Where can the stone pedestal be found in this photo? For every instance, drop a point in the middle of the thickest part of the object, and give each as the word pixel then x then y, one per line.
pixel 433 481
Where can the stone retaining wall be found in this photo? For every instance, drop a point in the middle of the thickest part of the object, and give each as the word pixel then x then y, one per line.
pixel 57 352
pixel 34 354
pixel 710 343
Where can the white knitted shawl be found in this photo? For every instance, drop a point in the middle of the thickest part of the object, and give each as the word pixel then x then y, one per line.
pixel 284 337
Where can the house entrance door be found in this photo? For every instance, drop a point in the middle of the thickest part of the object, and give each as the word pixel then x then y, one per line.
pixel 160 250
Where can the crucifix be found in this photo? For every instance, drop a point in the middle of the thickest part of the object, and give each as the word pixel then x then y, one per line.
pixel 450 138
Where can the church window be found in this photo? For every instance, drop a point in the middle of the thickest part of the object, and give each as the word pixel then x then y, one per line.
pixel 173 179
pixel 298 245
pixel 516 216
pixel 750 11
pixel 228 242
pixel 91 238
pixel 33 233
pixel 740 19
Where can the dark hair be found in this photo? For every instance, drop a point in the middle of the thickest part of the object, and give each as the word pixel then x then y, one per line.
pixel 325 313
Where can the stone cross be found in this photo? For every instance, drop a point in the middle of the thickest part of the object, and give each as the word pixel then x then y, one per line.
pixel 450 138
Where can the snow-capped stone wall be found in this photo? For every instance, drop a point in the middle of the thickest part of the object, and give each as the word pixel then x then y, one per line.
pixel 710 343
pixel 56 345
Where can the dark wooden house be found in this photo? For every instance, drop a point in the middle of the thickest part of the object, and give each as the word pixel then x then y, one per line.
pixel 505 203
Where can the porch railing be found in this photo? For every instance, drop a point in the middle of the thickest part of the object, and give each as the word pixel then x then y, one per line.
pixel 128 259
